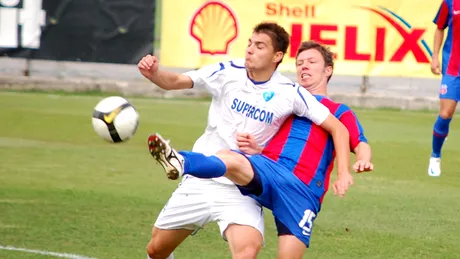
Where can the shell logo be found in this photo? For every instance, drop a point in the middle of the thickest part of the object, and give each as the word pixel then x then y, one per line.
pixel 214 26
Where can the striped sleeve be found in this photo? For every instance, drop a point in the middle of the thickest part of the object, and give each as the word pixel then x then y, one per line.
pixel 442 17
pixel 355 129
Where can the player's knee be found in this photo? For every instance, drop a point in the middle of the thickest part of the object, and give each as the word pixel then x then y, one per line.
pixel 223 153
pixel 248 251
pixel 155 252
pixel 447 113
pixel 151 252
pixel 229 158
pixel 238 168
pixel 448 108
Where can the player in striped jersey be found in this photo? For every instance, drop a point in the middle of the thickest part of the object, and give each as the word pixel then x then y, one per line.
pixel 448 16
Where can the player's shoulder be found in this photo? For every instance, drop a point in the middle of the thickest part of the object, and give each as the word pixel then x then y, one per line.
pixel 280 79
pixel 326 100
pixel 338 107
pixel 234 67
pixel 226 69
pixel 237 64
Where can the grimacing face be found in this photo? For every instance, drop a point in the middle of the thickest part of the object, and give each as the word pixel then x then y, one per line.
pixel 311 68
pixel 260 52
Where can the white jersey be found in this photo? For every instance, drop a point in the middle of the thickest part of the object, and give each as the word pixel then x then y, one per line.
pixel 241 105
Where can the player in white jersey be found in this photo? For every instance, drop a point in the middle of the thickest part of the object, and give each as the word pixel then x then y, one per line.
pixel 249 97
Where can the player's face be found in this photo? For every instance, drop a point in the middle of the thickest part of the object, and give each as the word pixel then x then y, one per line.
pixel 311 69
pixel 260 53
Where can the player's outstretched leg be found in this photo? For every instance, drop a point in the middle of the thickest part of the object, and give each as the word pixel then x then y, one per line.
pixel 227 163
pixel 171 161
pixel 231 164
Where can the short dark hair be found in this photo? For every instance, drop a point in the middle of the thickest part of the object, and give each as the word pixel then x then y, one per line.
pixel 325 51
pixel 278 35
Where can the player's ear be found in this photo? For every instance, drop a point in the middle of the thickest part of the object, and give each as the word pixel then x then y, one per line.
pixel 328 70
pixel 278 57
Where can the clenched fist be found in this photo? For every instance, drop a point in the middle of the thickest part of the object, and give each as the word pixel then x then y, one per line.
pixel 435 66
pixel 148 66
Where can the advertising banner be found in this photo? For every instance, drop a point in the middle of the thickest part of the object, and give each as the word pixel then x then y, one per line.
pixel 373 37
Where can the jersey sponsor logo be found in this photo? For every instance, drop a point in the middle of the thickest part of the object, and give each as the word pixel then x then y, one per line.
pixel 251 111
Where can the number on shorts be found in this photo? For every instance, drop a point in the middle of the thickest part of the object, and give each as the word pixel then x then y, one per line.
pixel 307 222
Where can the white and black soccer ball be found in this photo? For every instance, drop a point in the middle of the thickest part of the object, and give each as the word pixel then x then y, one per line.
pixel 115 119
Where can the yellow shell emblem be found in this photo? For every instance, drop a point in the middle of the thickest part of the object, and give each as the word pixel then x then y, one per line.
pixel 214 27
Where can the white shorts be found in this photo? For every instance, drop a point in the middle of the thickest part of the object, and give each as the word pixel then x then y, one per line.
pixel 197 202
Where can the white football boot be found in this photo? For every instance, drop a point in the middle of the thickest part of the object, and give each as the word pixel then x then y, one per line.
pixel 434 169
pixel 171 161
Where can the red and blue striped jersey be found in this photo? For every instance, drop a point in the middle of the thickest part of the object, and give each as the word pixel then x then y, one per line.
pixel 449 16
pixel 308 150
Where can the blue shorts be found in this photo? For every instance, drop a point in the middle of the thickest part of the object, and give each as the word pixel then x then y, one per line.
pixel 450 88
pixel 291 201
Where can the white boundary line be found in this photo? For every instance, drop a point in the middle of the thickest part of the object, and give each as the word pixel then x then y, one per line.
pixel 62 255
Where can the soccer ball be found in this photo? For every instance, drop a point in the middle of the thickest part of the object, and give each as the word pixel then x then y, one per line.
pixel 115 119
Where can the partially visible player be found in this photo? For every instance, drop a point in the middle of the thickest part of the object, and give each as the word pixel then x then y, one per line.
pixel 247 95
pixel 448 16
pixel 291 176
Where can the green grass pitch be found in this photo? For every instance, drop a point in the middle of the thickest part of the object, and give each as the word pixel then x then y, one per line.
pixel 65 190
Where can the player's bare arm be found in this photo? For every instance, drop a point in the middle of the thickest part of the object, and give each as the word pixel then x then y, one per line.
pixel 149 68
pixel 341 138
pixel 363 158
pixel 435 64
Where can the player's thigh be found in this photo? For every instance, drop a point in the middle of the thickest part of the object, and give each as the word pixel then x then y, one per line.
pixel 449 95
pixel 165 241
pixel 290 247
pixel 241 223
pixel 244 241
pixel 297 215
pixel 293 203
pixel 233 208
pixel 188 207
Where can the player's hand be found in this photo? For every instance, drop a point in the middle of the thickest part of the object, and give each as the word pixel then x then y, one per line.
pixel 363 166
pixel 340 186
pixel 148 66
pixel 435 65
pixel 247 144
